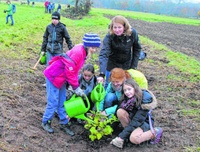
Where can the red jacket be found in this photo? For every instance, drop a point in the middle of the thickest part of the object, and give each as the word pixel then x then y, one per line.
pixel 62 69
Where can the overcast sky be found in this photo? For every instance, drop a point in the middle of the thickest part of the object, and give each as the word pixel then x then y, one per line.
pixel 193 1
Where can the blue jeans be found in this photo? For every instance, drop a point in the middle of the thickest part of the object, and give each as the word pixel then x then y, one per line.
pixel 11 17
pixel 50 56
pixel 109 99
pixel 55 102
pixel 107 79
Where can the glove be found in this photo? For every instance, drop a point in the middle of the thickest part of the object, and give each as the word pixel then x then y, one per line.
pixel 4 11
pixel 118 142
pixel 79 92
pixel 42 53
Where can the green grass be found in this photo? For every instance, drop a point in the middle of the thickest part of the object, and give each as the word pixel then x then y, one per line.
pixel 149 16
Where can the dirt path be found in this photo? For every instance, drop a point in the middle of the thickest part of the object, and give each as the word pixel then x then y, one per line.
pixel 22 101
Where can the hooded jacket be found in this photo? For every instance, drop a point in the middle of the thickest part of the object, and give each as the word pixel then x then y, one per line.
pixel 119 51
pixel 53 38
pixel 139 115
pixel 65 68
pixel 9 10
pixel 87 87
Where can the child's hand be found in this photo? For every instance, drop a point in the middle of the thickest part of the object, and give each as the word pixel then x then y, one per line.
pixel 100 80
pixel 103 113
pixel 79 92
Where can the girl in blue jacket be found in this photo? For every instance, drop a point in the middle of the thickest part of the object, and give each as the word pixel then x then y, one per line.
pixel 134 115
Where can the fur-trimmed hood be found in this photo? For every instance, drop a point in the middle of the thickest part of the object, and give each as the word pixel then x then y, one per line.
pixel 149 100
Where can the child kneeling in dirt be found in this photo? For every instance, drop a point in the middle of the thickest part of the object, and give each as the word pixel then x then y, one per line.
pixel 64 70
pixel 134 113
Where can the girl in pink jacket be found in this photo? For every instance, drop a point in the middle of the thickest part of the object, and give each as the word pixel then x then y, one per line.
pixel 63 70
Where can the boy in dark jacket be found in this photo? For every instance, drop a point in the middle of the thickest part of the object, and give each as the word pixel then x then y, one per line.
pixel 53 38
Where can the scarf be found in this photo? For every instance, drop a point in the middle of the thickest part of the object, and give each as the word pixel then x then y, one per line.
pixel 128 104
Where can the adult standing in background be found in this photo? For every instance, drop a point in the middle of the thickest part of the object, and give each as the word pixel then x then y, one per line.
pixel 121 48
pixel 53 38
pixel 9 13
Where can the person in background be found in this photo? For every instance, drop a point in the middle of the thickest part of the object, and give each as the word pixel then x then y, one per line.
pixel 88 81
pixel 64 70
pixel 46 3
pixel 134 113
pixel 59 8
pixel 9 13
pixel 53 38
pixel 121 48
pixel 52 7
pixel 33 4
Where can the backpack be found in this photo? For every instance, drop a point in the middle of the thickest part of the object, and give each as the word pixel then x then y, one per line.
pixel 139 77
pixel 13 8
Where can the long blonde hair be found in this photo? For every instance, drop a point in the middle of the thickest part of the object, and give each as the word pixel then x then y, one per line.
pixel 121 20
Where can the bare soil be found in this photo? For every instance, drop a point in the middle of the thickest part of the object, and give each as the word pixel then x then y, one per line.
pixel 23 100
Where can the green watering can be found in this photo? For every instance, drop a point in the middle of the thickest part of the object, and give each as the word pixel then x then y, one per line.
pixel 77 107
pixel 43 59
pixel 98 94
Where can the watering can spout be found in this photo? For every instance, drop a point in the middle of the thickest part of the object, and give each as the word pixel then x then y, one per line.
pixel 98 94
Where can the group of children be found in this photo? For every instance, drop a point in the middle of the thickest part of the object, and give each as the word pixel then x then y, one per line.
pixel 50 7
pixel 127 94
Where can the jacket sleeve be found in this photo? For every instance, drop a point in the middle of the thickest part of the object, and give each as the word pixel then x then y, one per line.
pixel 138 120
pixel 45 40
pixel 67 38
pixel 104 54
pixel 111 110
pixel 136 50
pixel 101 105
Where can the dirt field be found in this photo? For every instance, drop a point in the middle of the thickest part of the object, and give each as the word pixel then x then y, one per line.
pixel 22 101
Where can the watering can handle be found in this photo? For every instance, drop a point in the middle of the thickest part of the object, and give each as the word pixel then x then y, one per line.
pixel 88 102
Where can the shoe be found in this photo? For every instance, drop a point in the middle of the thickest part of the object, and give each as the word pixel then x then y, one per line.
pixel 66 129
pixel 47 127
pixel 12 24
pixel 117 142
pixel 158 135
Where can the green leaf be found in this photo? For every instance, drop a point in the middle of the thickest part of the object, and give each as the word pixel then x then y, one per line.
pixel 108 130
pixel 92 137
pixel 99 136
pixel 93 130
pixel 87 126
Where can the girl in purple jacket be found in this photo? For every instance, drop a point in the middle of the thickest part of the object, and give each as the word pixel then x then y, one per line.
pixel 63 70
